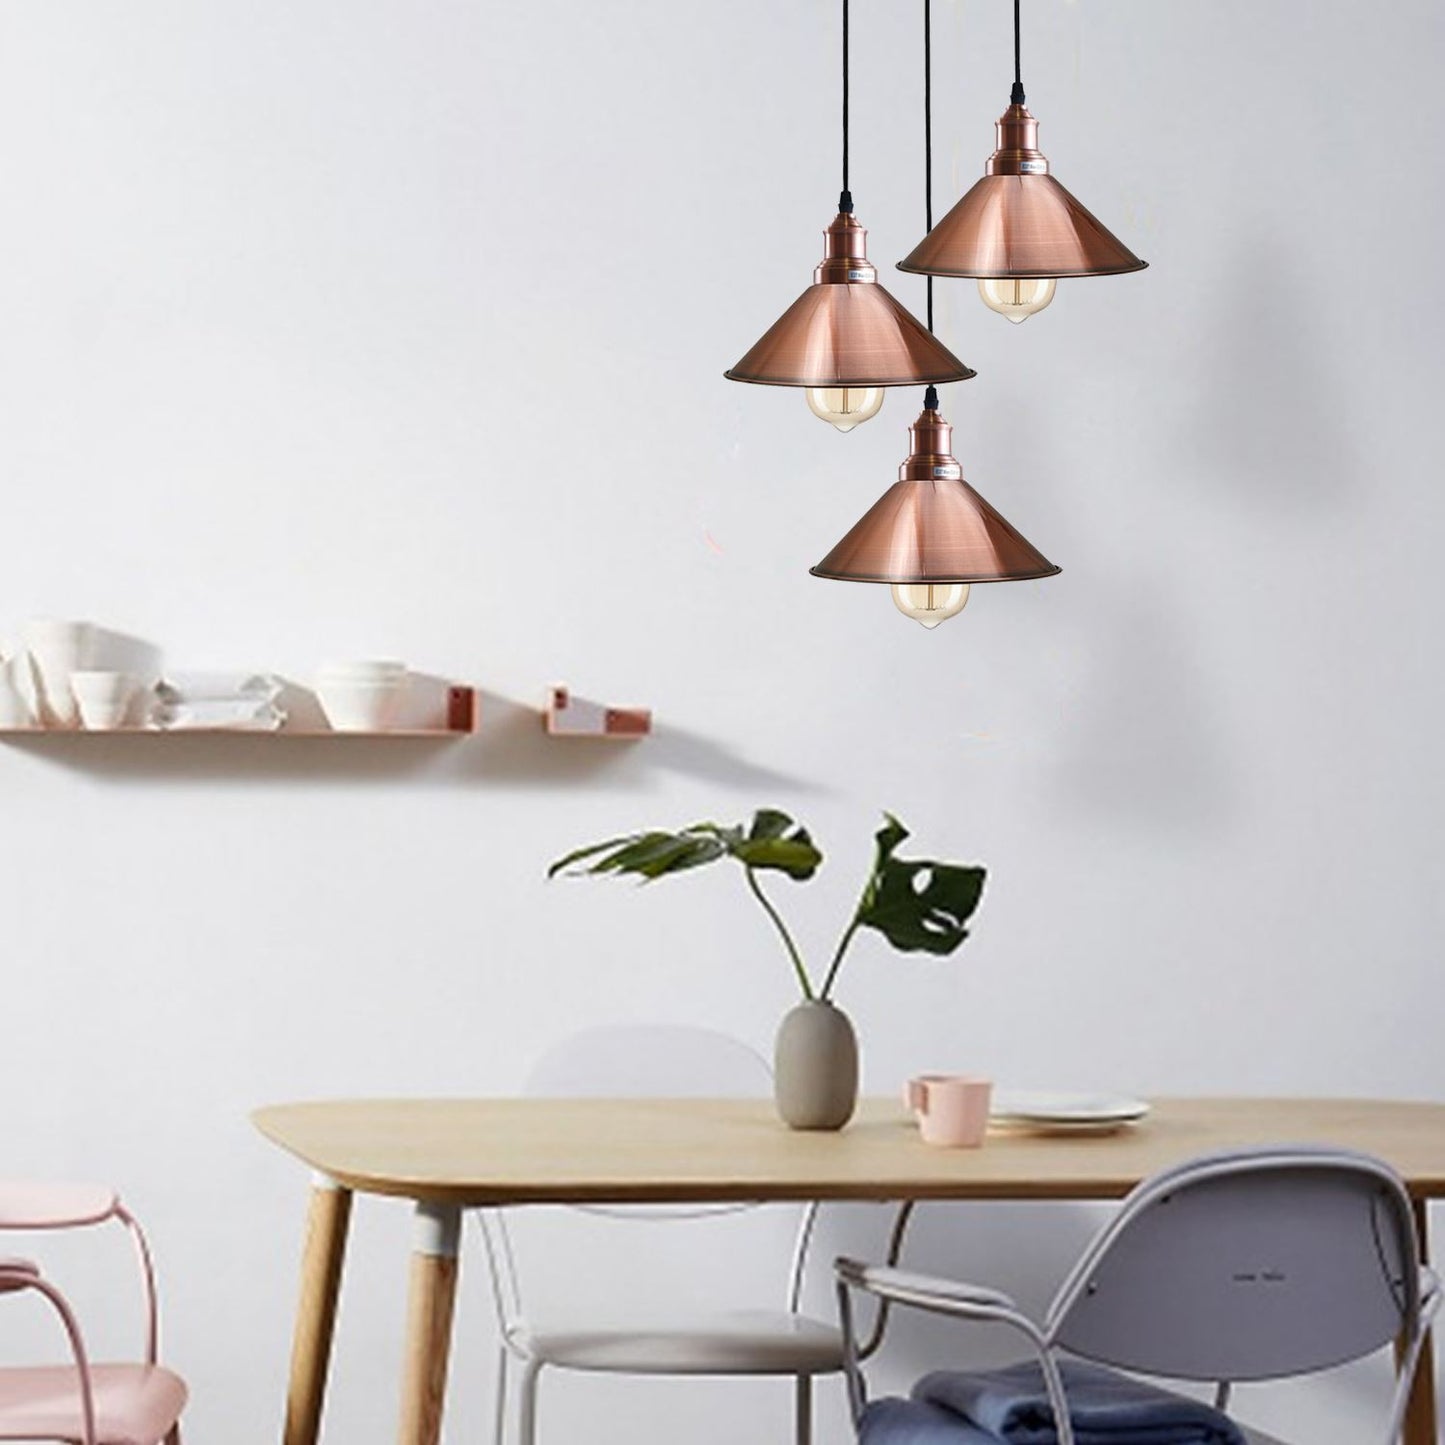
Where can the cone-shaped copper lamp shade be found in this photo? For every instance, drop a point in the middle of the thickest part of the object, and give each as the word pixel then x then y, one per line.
pixel 931 526
pixel 1019 221
pixel 846 330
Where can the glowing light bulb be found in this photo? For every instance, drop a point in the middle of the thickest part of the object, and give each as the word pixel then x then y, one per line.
pixel 1017 297
pixel 930 602
pixel 845 406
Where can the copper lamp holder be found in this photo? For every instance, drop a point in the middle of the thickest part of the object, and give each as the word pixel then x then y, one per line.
pixel 846 330
pixel 931 526
pixel 1018 221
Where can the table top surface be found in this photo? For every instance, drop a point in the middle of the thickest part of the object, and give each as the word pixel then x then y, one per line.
pixel 560 1151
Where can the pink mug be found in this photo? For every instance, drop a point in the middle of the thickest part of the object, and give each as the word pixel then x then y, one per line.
pixel 952 1109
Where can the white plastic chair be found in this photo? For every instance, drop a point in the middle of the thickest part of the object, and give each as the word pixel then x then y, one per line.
pixel 1259 1264
pixel 663 1062
pixel 83 1402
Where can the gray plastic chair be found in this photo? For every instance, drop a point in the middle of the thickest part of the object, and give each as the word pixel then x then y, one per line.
pixel 1258 1264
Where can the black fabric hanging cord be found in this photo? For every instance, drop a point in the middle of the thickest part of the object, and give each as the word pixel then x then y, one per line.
pixel 928 137
pixel 845 201
pixel 930 397
pixel 1017 96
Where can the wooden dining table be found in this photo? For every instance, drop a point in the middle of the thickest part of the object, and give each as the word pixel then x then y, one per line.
pixel 447 1155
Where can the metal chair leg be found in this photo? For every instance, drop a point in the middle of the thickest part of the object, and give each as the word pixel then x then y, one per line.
pixel 528 1392
pixel 499 1428
pixel 804 1410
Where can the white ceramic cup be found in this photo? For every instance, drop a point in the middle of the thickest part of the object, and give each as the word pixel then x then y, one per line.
pixel 104 698
pixel 952 1109
pixel 57 649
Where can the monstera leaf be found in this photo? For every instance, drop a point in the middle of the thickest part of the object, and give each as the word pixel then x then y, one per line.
pixel 918 905
pixel 773 841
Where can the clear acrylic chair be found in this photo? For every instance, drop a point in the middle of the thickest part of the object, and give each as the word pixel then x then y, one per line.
pixel 1253 1265
pixel 87 1403
pixel 640 1061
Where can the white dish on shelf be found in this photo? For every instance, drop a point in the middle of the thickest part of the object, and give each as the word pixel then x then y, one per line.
pixel 204 688
pixel 172 721
pixel 1047 1111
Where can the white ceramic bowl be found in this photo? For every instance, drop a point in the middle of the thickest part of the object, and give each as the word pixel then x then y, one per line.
pixel 360 707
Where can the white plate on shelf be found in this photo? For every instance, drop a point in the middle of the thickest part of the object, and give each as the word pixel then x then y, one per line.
pixel 1064 1113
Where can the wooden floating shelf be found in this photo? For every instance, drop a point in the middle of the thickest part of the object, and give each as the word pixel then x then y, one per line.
pixel 566 716
pixel 461 719
pixel 458 715
pixel 439 734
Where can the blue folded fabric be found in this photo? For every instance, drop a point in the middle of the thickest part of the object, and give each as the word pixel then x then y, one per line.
pixel 1106 1408
pixel 891 1421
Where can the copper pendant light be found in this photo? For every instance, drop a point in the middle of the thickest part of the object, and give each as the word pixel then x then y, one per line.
pixel 845 330
pixel 930 536
pixel 845 338
pixel 1018 229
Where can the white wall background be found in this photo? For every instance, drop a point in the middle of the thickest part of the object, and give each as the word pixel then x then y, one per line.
pixel 378 327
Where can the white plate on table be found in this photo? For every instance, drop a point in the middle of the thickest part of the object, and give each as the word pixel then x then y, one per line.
pixel 1058 1113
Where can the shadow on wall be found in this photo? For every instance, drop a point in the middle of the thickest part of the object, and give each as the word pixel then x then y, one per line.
pixel 1267 437
pixel 1272 417
pixel 1148 741
pixel 515 748
pixel 511 749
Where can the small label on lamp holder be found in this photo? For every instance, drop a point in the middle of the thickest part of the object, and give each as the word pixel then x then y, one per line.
pixel 1033 168
pixel 860 275
pixel 951 474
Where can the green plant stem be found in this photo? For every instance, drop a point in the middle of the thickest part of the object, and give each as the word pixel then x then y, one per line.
pixel 803 979
pixel 837 963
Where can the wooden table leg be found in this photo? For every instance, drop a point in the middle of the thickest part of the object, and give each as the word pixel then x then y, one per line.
pixel 321 1260
pixel 1420 1412
pixel 429 1323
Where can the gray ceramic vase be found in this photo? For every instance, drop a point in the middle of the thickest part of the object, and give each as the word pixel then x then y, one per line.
pixel 815 1067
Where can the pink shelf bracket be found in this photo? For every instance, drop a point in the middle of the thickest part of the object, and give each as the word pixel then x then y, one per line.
pixel 566 716
pixel 461 709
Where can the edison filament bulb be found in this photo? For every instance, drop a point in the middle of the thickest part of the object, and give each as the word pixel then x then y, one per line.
pixel 930 602
pixel 1017 297
pixel 845 406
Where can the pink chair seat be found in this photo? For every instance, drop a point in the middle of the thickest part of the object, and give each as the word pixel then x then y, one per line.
pixel 134 1404
pixel 37 1204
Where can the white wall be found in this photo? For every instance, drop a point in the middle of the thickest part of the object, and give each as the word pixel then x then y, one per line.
pixel 388 327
